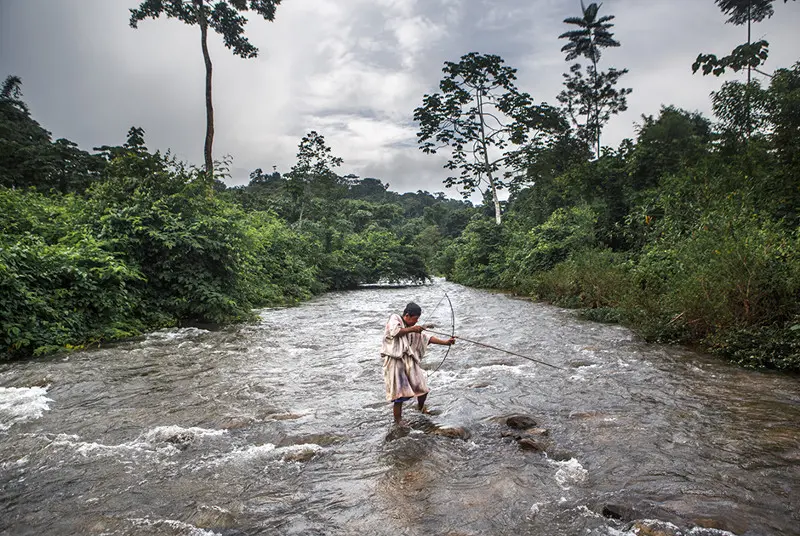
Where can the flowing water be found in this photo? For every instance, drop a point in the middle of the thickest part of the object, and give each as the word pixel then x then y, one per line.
pixel 281 427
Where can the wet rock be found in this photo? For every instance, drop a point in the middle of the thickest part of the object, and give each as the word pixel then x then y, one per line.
pixel 584 415
pixel 323 440
pixel 528 443
pixel 560 455
pixel 302 455
pixel 481 385
pixel 537 432
pixel 456 432
pixel 235 423
pixel 521 422
pixel 284 417
pixel 708 523
pixel 212 517
pixel 397 432
pixel 649 527
pixel 617 511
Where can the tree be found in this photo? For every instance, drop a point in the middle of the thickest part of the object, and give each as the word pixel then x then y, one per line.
pixel 749 55
pixel 668 144
pixel 28 156
pixel 590 101
pixel 222 16
pixel 313 170
pixel 485 121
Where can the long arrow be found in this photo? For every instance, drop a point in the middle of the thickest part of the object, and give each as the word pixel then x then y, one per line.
pixel 496 348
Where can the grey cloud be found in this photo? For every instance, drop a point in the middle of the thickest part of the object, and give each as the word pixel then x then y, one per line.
pixel 352 69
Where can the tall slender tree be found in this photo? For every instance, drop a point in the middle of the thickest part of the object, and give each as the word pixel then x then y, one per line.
pixel 314 170
pixel 222 16
pixel 485 121
pixel 596 98
pixel 749 55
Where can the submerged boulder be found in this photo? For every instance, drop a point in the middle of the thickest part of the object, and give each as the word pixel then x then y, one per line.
pixel 521 422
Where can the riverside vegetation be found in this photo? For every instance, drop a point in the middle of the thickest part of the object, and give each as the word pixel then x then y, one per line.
pixel 687 233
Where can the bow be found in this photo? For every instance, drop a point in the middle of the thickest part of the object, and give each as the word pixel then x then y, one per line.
pixel 452 330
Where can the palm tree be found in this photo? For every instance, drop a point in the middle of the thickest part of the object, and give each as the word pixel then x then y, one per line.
pixel 591 36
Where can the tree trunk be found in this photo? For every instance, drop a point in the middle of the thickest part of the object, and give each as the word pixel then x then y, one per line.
pixel 497 216
pixel 749 127
pixel 207 149
pixel 596 109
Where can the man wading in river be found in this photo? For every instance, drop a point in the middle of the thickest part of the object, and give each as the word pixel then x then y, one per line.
pixel 404 345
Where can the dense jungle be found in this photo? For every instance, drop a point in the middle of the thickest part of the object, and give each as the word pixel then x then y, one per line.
pixel 687 233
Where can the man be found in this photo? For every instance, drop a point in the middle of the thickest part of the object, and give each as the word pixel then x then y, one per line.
pixel 404 345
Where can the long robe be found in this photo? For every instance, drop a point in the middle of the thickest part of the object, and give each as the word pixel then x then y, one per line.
pixel 402 373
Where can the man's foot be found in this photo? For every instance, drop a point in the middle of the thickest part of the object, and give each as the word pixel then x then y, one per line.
pixel 428 411
pixel 402 423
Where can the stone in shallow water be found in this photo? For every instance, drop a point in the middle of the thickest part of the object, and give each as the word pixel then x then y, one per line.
pixel 649 527
pixel 302 455
pixel 528 443
pixel 455 432
pixel 212 517
pixel 520 422
pixel 235 422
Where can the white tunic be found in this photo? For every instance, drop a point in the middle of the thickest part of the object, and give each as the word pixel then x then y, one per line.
pixel 402 373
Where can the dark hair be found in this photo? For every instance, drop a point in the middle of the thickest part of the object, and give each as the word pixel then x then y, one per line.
pixel 412 309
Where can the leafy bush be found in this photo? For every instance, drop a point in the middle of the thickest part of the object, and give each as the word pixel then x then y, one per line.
pixel 60 286
pixel 477 254
pixel 538 250
pixel 589 279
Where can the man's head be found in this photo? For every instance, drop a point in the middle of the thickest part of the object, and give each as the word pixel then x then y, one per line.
pixel 412 313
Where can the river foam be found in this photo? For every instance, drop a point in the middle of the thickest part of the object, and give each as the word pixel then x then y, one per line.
pixel 569 472
pixel 20 404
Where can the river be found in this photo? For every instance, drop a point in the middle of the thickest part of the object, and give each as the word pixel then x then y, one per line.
pixel 280 428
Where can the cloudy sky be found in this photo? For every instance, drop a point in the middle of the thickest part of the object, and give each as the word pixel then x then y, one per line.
pixel 353 70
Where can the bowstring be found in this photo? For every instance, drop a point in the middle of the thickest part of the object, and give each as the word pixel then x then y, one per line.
pixel 453 331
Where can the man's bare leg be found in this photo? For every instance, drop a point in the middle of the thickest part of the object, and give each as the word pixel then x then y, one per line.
pixel 421 401
pixel 397 410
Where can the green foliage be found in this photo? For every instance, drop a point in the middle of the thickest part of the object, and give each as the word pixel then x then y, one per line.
pixel 485 121
pixel 184 240
pixel 313 174
pixel 665 145
pixel 776 346
pixel 60 284
pixel 28 157
pixel 591 36
pixel 685 234
pixel 734 269
pixel 595 280
pixel 223 16
pixel 745 11
pixel 746 56
pixel 477 255
pixel 527 254
pixel 278 264
pixel 749 55
pixel 372 256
